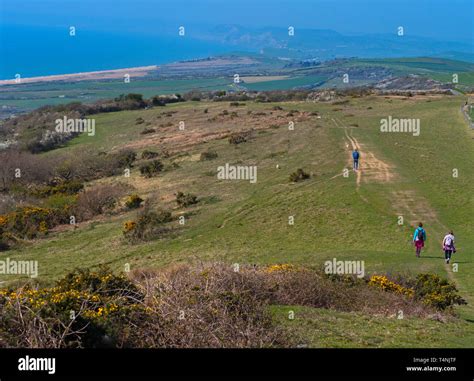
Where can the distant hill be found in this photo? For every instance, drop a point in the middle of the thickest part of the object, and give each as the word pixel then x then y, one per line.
pixel 326 44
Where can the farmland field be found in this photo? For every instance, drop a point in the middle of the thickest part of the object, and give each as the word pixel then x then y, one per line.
pixel 26 97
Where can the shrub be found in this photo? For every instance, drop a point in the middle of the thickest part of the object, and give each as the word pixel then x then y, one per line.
pixel 385 284
pixel 139 120
pixel 430 289
pixel 70 187
pixel 97 200
pixel 299 175
pixel 28 221
pixel 208 155
pixel 60 201
pixel 125 158
pixel 151 168
pixel 149 154
pixel 186 199
pixel 134 201
pixel 34 169
pixel 193 95
pixel 93 166
pixel 3 241
pixel 3 244
pixel 145 309
pixel 130 102
pixel 437 292
pixel 148 131
pixel 148 226
pixel 238 138
pixel 41 317
pixel 113 311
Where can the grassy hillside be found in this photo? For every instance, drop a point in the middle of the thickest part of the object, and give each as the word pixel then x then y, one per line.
pixel 348 218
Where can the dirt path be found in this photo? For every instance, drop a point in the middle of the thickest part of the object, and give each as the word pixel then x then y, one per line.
pixel 355 145
pixel 371 168
pixel 405 202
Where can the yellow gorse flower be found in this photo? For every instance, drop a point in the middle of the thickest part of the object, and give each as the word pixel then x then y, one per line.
pixel 386 284
pixel 280 268
pixel 129 226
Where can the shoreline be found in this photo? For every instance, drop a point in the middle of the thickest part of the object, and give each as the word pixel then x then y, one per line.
pixel 138 71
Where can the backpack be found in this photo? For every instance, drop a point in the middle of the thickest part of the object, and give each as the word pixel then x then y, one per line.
pixel 419 236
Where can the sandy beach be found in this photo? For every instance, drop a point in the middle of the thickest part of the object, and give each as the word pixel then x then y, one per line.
pixel 86 76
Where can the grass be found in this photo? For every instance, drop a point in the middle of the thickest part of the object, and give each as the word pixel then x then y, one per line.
pixel 321 328
pixel 248 223
pixel 285 84
pixel 31 96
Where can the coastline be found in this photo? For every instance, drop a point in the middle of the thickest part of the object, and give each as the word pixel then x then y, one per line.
pixel 139 71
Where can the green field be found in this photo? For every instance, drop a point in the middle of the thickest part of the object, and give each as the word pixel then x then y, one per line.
pixel 31 96
pixel 286 84
pixel 334 216
pixel 27 97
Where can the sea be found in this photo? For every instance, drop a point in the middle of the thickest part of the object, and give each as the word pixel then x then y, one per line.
pixel 38 51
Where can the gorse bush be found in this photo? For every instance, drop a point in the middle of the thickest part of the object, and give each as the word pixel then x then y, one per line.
pixel 437 292
pixel 133 201
pixel 430 289
pixel 186 199
pixel 299 175
pixel 125 158
pixel 29 221
pixel 82 310
pixel 181 306
pixel 238 138
pixel 385 284
pixel 149 225
pixel 151 168
pixel 69 187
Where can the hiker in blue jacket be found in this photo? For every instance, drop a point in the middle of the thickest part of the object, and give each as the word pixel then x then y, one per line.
pixel 419 238
pixel 355 156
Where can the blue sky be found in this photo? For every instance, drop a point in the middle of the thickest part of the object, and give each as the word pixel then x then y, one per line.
pixel 439 19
